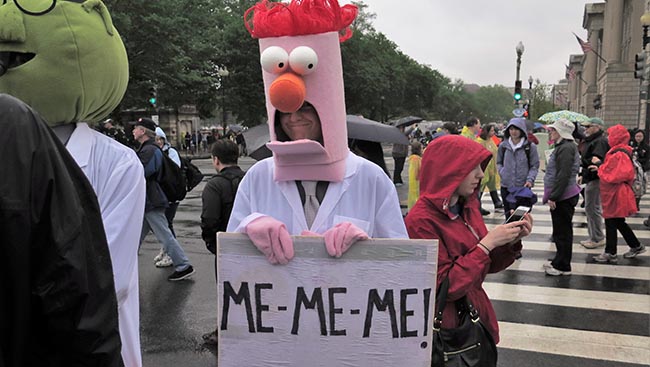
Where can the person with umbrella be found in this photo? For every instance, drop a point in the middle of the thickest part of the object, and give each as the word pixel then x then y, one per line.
pixel 311 185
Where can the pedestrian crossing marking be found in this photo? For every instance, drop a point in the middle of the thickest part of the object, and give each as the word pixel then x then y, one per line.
pixel 597 270
pixel 575 343
pixel 600 300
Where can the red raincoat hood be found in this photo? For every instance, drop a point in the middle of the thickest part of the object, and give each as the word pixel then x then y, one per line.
pixel 445 164
pixel 617 136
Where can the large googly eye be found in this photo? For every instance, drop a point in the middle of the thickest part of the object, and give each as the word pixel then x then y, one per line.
pixel 274 60
pixel 303 60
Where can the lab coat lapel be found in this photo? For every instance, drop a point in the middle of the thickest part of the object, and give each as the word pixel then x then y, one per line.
pixel 335 191
pixel 290 192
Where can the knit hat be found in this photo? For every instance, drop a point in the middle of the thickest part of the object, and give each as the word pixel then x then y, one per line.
pixel 564 127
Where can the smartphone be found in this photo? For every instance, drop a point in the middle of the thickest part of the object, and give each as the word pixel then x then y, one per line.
pixel 518 214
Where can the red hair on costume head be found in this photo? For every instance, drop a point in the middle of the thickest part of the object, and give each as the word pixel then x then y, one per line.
pixel 299 18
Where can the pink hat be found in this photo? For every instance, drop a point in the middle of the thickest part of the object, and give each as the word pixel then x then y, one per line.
pixel 298 67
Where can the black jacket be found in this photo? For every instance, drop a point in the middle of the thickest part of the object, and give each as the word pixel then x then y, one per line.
pixel 151 157
pixel 57 297
pixel 218 197
pixel 642 151
pixel 595 146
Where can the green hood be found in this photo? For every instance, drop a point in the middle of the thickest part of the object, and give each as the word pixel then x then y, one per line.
pixel 79 70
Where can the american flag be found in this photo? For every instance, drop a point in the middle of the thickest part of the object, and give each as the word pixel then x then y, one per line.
pixel 570 74
pixel 586 46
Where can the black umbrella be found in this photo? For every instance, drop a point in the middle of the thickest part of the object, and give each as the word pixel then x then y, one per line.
pixel 408 121
pixel 364 129
pixel 256 139
pixel 358 128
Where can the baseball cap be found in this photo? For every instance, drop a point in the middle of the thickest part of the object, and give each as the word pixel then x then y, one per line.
pixel 147 123
pixel 593 121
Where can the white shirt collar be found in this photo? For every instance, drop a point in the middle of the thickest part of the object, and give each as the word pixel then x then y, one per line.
pixel 80 144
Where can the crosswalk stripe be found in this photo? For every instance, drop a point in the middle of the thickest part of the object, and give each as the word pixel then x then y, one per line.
pixel 577 249
pixel 598 270
pixel 575 343
pixel 569 297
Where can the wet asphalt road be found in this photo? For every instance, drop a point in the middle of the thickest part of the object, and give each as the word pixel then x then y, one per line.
pixel 174 315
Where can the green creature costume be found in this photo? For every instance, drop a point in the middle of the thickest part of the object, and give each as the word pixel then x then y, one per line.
pixel 58 304
pixel 63 58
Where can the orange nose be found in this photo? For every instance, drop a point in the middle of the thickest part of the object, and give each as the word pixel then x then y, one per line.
pixel 287 93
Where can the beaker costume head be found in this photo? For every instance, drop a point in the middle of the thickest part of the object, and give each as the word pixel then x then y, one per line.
pixel 301 65
pixel 64 58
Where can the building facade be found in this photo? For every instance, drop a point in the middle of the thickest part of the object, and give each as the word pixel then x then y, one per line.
pixel 606 74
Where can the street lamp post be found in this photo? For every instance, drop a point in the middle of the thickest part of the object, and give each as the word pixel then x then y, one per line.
pixel 381 110
pixel 530 93
pixel 223 74
pixel 520 50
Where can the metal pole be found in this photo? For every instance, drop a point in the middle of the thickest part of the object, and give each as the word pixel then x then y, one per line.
pixel 223 104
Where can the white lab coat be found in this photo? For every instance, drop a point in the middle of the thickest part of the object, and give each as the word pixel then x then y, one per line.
pixel 366 197
pixel 117 176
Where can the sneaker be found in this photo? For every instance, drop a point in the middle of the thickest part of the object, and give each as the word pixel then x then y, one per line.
pixel 646 223
pixel 484 212
pixel 592 245
pixel 547 265
pixel 634 251
pixel 606 258
pixel 180 275
pixel 554 272
pixel 166 261
pixel 398 184
pixel 159 256
pixel 498 206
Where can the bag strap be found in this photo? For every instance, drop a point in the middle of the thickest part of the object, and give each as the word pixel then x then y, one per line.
pixel 441 301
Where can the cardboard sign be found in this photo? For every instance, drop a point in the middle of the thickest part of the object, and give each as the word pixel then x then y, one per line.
pixel 373 306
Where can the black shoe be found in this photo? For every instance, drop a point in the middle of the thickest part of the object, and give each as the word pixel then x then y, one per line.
pixel 484 212
pixel 180 275
pixel 582 205
pixel 210 338
pixel 498 206
pixel 646 223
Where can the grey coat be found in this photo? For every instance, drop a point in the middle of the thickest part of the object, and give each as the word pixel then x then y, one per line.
pixel 514 166
pixel 562 171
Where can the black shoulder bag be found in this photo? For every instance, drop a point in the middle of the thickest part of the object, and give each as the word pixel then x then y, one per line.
pixel 468 345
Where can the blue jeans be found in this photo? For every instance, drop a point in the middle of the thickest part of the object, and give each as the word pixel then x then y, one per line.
pixel 156 221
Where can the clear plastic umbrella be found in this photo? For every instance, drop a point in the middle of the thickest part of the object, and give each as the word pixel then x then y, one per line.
pixel 563 114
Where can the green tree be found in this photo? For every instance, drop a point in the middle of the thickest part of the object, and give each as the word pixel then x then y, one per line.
pixel 541 100
pixel 170 44
pixel 494 103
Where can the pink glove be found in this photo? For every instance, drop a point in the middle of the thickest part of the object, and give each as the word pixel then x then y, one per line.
pixel 271 237
pixel 341 237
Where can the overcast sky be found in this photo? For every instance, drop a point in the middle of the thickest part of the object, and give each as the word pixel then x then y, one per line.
pixel 475 40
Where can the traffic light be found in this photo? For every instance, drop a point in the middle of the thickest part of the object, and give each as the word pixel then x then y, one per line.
pixel 640 65
pixel 597 103
pixel 517 94
pixel 153 97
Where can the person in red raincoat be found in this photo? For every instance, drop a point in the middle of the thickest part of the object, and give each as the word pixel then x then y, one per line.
pixel 616 175
pixel 448 210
